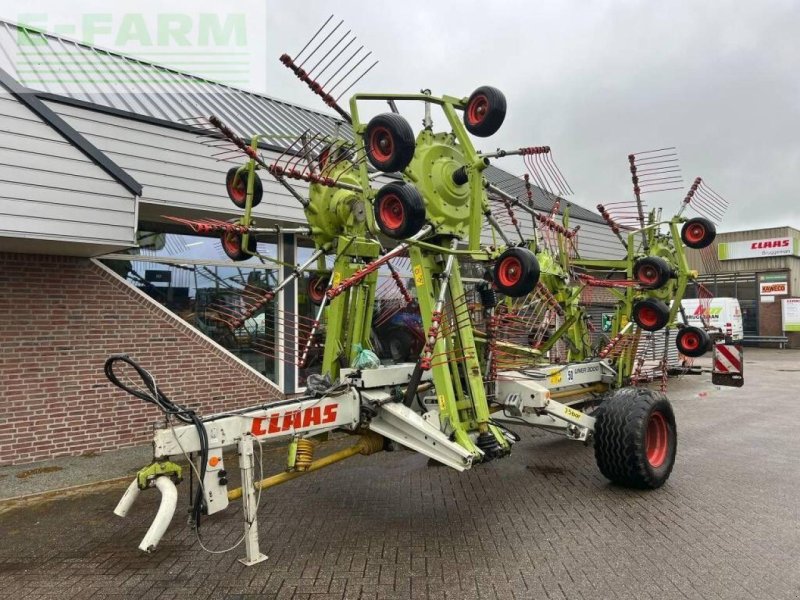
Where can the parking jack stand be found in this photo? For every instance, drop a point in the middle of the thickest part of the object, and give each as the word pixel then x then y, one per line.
pixel 250 507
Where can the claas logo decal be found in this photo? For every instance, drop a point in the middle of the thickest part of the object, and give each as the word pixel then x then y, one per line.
pixel 290 420
pixel 769 244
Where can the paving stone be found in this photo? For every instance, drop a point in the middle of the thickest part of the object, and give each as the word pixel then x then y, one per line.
pixel 542 523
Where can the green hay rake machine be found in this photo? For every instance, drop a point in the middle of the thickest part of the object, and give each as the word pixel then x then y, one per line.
pixel 524 353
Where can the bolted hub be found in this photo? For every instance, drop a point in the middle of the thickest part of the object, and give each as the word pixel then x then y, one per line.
pixel 331 211
pixel 437 170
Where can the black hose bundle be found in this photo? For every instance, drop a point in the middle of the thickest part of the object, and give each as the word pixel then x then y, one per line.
pixel 154 395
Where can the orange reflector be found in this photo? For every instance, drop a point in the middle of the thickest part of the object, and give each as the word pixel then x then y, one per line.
pixel 214 461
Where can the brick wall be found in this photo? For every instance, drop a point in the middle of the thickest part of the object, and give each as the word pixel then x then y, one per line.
pixel 60 318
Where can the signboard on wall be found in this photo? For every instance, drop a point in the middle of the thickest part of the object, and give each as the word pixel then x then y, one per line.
pixel 790 311
pixel 774 288
pixel 782 246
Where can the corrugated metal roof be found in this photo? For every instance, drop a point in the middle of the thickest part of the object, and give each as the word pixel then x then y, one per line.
pixel 112 80
pixel 121 82
pixel 516 187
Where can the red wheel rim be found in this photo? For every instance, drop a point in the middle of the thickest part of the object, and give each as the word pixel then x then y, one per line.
pixel 509 272
pixel 381 144
pixel 316 289
pixel 232 242
pixel 657 440
pixel 477 109
pixel 238 193
pixel 392 212
pixel 690 342
pixel 695 233
pixel 648 316
pixel 647 274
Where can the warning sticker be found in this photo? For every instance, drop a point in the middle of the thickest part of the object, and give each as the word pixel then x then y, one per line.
pixel 419 275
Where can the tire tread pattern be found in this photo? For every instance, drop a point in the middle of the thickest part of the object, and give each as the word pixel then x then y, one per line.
pixel 619 443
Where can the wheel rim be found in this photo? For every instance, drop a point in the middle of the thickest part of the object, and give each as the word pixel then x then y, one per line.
pixel 695 233
pixel 690 342
pixel 657 440
pixel 478 109
pixel 316 289
pixel 648 316
pixel 232 242
pixel 238 193
pixel 509 272
pixel 392 213
pixel 647 274
pixel 381 144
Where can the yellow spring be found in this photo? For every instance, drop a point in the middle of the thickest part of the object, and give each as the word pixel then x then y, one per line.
pixel 305 454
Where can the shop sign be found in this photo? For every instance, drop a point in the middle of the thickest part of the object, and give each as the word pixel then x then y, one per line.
pixel 774 288
pixel 790 311
pixel 781 246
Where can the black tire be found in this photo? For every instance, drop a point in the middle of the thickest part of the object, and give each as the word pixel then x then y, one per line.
pixel 693 341
pixel 399 210
pixel 652 272
pixel 237 189
pixel 650 314
pixel 485 111
pixel 317 286
pixel 389 142
pixel 516 272
pixel 398 344
pixel 232 246
pixel 635 439
pixel 698 233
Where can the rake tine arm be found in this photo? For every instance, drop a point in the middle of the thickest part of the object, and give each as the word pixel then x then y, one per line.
pixel 313 37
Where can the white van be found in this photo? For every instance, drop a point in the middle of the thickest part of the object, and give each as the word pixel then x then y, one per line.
pixel 722 313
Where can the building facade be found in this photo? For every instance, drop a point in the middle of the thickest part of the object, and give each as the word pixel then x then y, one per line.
pixel 761 268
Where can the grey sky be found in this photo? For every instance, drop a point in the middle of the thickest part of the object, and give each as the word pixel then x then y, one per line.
pixel 597 80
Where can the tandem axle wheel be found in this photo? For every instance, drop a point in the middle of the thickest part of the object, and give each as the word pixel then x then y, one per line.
pixel 635 439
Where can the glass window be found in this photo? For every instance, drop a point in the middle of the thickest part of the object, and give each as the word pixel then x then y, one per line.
pixel 191 276
pixel 397 334
pixel 307 312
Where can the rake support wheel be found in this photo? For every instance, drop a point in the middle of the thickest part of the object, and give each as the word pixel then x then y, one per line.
pixel 317 286
pixel 516 272
pixel 693 341
pixel 389 142
pixel 237 187
pixel 485 111
pixel 650 314
pixel 652 272
pixel 232 246
pixel 399 210
pixel 635 438
pixel 698 233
